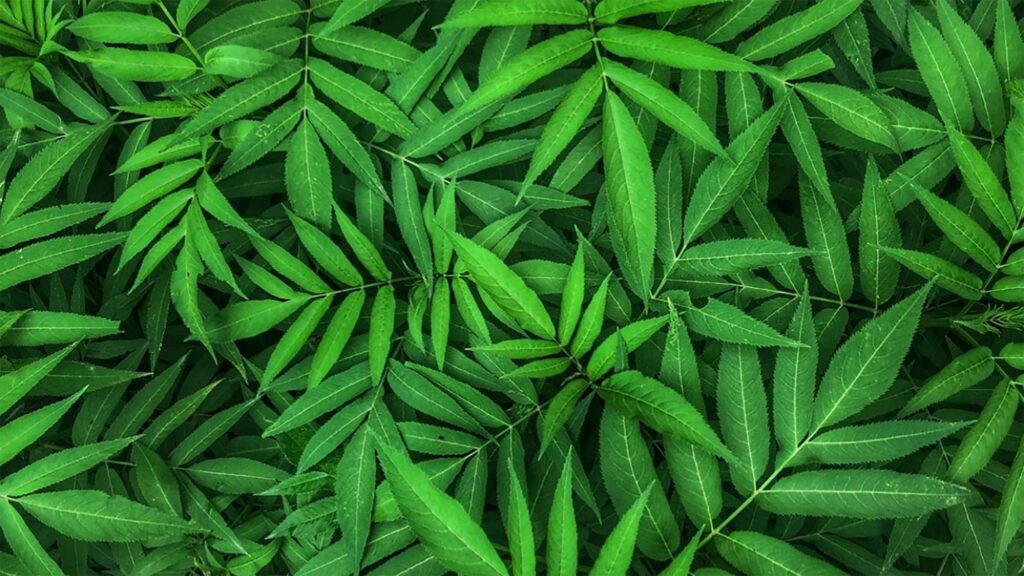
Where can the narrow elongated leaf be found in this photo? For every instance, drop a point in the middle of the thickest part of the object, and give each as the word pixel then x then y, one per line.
pixel 860 494
pixel 92 516
pixel 439 521
pixel 630 194
pixel 864 367
pixel 531 65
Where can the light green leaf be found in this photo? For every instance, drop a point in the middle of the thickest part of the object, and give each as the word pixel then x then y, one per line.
pixel 795 29
pixel 531 65
pixel 864 494
pixel 865 366
pixel 630 196
pixel 116 27
pixel 727 323
pixel 743 414
pixel 438 520
pixel 669 49
pixel 93 516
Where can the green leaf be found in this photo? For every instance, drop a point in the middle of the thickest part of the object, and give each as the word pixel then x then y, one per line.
pixel 438 520
pixel 617 551
pixel 878 441
pixel 983 184
pixel 940 72
pixel 29 110
pixel 519 529
pixel 1011 513
pixel 722 257
pixel 630 194
pixel 44 170
pixel 362 247
pixel 562 553
pixel 116 27
pixel 92 516
pixel 137 65
pixel 151 187
pixel 743 414
pixel 308 176
pixel 978 67
pixel 669 49
pixel 354 487
pixel 59 466
pixel 242 99
pixel 795 29
pixel 531 65
pixel 865 366
pixel 725 322
pixel 329 395
pixel 826 235
pixel 17 383
pixel 665 106
pixel 725 179
pixel 754 553
pixel 611 11
pixel 502 284
pixel 962 372
pixel 495 13
pixel 49 256
pixel 360 98
pixel 567 119
pixel 878 228
pixel 851 110
pixel 863 494
pixel 945 274
pixel 794 380
pixel 24 544
pixel 336 337
pixel 660 408
pixel 21 432
pixel 984 438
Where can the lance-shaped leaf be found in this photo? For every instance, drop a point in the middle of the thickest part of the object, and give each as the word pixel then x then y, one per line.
pixel 562 541
pixel 243 98
pixel 794 380
pixel 963 372
pixel 945 274
pixel 118 27
pixel 93 516
pixel 864 494
pixel 617 551
pixel 49 256
pixel 505 286
pixel 29 552
pixel 878 441
pixel 722 257
pixel 961 230
pixel 669 49
pixel 661 408
pixel 826 235
pixel 727 323
pixel 851 110
pixel 743 414
pixel 985 437
pixel 308 176
pixel 754 553
pixel 360 98
pixel 664 105
pixel 630 194
pixel 137 65
pixel 865 366
pixel 438 520
pixel 725 179
pixel 978 67
pixel 531 65
pixel 983 184
pixel 878 228
pixel 941 72
pixel 793 30
pixel 44 170
pixel 567 119
pixel 550 12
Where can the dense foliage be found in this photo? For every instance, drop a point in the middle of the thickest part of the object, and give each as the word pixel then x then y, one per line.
pixel 494 287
